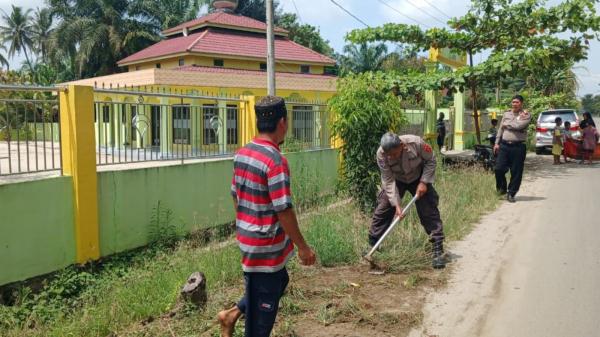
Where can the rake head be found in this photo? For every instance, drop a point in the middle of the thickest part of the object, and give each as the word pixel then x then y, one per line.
pixel 374 268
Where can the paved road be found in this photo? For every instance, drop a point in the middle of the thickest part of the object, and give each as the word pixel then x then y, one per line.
pixel 551 284
pixel 530 268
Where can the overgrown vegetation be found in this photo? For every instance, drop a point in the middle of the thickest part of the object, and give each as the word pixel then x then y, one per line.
pixel 365 109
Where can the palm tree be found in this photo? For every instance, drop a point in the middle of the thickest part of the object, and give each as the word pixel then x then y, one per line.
pixel 16 31
pixel 363 57
pixel 554 81
pixel 96 34
pixel 164 14
pixel 41 32
pixel 257 9
pixel 3 59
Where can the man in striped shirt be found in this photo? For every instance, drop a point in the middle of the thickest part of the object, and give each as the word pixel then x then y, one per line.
pixel 266 223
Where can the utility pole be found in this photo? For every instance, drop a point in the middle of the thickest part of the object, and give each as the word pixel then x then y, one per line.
pixel 270 49
pixel 474 97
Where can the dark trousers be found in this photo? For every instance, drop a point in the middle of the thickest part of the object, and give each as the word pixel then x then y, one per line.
pixel 440 140
pixel 510 156
pixel 427 209
pixel 261 301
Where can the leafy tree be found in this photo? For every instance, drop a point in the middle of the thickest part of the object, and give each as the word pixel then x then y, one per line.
pixel 16 32
pixel 363 57
pixel 305 34
pixel 591 103
pixel 525 39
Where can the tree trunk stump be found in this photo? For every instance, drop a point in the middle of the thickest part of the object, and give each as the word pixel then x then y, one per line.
pixel 194 290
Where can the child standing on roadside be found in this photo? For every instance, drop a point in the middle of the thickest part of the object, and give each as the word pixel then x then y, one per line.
pixel 557 141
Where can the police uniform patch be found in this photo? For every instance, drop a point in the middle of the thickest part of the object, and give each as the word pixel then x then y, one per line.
pixel 427 148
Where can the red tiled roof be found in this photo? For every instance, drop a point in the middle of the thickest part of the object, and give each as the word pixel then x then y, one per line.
pixel 163 48
pixel 251 45
pixel 230 44
pixel 225 19
pixel 220 70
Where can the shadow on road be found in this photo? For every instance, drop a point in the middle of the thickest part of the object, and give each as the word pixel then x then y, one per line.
pixel 529 198
pixel 541 166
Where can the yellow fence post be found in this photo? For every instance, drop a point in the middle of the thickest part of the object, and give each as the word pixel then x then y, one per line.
pixel 79 161
pixel 248 127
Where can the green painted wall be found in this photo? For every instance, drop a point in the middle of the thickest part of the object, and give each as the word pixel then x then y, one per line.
pixel 36 228
pixel 36 217
pixel 197 194
pixel 313 173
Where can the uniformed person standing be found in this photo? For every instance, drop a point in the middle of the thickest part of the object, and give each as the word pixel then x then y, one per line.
pixel 511 148
pixel 407 163
pixel 440 127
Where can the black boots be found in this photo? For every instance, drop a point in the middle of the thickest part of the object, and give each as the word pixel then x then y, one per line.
pixel 372 240
pixel 439 261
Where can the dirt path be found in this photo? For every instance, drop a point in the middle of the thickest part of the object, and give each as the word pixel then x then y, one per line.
pixel 530 268
pixel 350 302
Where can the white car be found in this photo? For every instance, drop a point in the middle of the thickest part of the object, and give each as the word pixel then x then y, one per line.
pixel 546 123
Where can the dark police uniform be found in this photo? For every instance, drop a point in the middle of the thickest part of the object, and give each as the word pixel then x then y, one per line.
pixel 415 165
pixel 512 138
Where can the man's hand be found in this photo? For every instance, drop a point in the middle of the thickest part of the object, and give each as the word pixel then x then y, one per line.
pixel 307 256
pixel 399 213
pixel 496 148
pixel 421 190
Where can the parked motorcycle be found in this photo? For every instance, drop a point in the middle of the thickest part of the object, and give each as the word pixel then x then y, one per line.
pixel 484 154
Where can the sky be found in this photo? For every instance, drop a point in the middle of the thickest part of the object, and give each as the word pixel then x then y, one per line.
pixel 334 23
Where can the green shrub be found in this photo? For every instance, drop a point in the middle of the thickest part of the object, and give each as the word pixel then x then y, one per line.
pixel 364 109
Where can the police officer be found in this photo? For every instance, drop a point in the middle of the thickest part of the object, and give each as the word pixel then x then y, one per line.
pixel 511 148
pixel 407 163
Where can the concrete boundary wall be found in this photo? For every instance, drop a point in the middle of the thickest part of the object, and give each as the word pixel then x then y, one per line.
pixel 40 236
pixel 36 228
pixel 196 196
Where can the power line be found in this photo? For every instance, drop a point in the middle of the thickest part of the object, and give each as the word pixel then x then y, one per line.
pixel 406 16
pixel 297 11
pixel 426 12
pixel 348 12
pixel 437 9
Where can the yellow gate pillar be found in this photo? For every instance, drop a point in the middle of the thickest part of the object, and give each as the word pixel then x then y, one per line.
pixel 459 115
pixel 430 107
pixel 247 120
pixel 79 162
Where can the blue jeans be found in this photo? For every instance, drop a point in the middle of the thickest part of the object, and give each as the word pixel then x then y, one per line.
pixel 261 301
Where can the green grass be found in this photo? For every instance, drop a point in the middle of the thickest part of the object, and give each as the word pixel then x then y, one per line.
pixel 330 234
pixel 115 298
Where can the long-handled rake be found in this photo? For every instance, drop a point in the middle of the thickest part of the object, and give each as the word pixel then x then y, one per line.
pixel 369 256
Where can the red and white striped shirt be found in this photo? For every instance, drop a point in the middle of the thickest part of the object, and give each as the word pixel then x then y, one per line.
pixel 261 185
